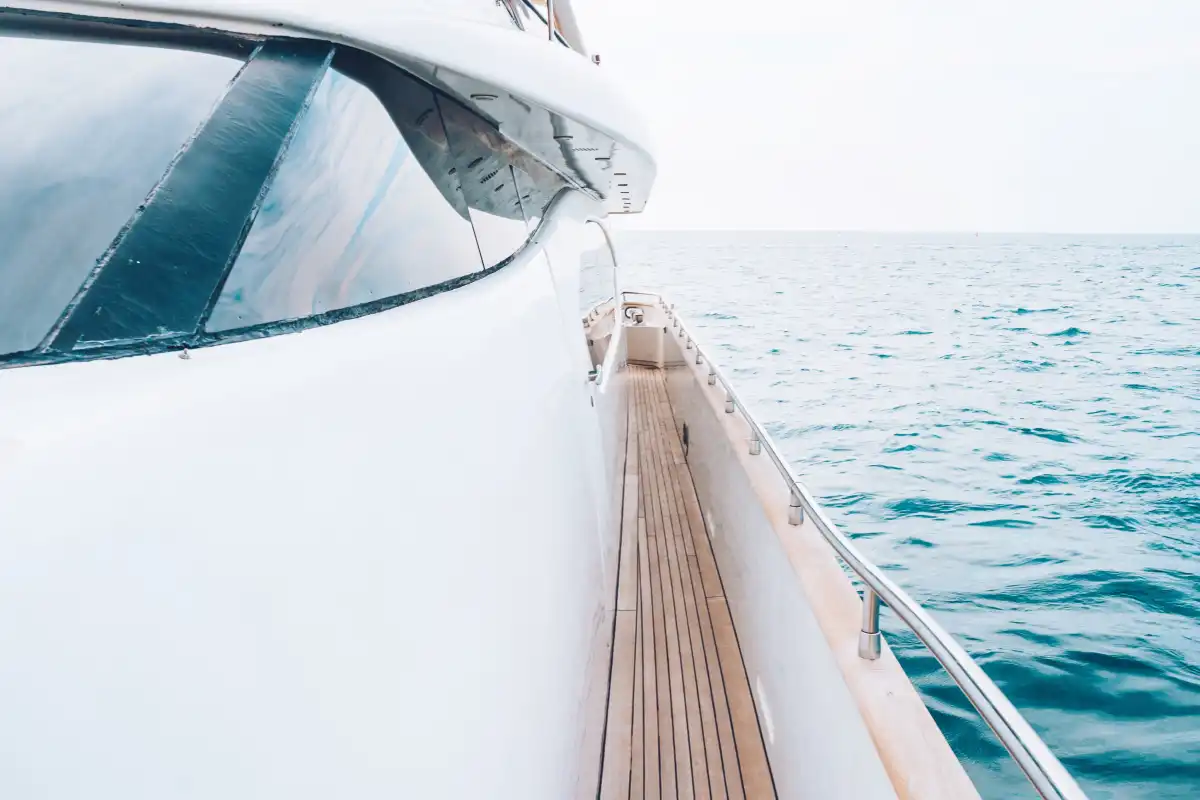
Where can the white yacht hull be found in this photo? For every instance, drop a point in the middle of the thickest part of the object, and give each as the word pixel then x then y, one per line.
pixel 370 559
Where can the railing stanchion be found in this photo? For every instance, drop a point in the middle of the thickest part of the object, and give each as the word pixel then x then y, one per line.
pixel 1045 772
pixel 795 511
pixel 550 18
pixel 870 641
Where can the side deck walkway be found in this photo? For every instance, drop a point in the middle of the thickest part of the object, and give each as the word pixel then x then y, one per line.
pixel 681 719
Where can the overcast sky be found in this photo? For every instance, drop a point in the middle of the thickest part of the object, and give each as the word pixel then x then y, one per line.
pixel 1058 115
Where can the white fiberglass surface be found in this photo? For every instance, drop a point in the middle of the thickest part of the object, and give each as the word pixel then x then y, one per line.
pixel 816 738
pixel 363 560
pixel 487 12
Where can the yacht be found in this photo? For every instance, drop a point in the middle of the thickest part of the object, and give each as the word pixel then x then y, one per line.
pixel 336 460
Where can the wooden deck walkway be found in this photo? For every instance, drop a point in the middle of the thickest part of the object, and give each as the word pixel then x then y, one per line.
pixel 681 720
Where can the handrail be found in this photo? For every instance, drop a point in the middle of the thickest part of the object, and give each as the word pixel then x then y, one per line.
pixel 548 21
pixel 1047 774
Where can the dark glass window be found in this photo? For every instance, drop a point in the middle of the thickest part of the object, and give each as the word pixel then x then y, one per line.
pixel 207 196
pixel 537 186
pixel 485 168
pixel 597 269
pixel 365 205
pixel 86 132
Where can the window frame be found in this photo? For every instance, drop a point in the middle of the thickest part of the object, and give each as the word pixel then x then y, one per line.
pixel 608 365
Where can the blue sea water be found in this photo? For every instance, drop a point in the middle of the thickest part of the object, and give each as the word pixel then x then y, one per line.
pixel 1011 425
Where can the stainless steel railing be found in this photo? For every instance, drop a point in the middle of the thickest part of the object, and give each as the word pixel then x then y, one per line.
pixel 548 20
pixel 1048 776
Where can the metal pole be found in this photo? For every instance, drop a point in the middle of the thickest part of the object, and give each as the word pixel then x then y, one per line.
pixel 550 18
pixel 728 402
pixel 755 444
pixel 870 641
pixel 712 376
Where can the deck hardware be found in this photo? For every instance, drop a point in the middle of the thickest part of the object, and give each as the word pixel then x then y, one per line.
pixel 699 358
pixel 596 59
pixel 689 343
pixel 185 355
pixel 728 402
pixel 755 445
pixel 870 642
pixel 795 510
pixel 680 331
pixel 712 377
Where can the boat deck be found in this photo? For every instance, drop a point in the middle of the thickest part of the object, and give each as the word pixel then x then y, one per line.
pixel 681 720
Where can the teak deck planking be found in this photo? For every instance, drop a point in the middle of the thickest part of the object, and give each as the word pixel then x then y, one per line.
pixel 681 720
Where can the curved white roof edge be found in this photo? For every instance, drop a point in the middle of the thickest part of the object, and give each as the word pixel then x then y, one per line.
pixel 543 73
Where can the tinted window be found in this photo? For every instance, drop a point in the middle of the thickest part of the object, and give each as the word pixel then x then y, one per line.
pixel 207 196
pixel 86 132
pixel 597 269
pixel 365 205
pixel 537 186
pixel 484 165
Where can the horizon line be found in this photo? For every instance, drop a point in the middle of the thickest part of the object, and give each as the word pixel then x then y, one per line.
pixel 968 232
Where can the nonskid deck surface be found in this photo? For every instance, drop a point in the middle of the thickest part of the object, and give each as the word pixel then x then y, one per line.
pixel 681 719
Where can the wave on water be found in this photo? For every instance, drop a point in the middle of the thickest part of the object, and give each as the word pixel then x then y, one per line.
pixel 1045 509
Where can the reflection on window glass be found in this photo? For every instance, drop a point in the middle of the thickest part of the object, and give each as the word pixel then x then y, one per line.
pixel 362 208
pixel 537 186
pixel 597 269
pixel 484 165
pixel 86 131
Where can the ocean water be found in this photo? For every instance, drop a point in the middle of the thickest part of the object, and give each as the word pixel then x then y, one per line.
pixel 1010 424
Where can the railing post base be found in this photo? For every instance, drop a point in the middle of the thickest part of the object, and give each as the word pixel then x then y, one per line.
pixel 728 402
pixel 870 645
pixel 795 511
pixel 755 446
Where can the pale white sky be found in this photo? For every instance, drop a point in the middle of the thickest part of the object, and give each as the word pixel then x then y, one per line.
pixel 1059 115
